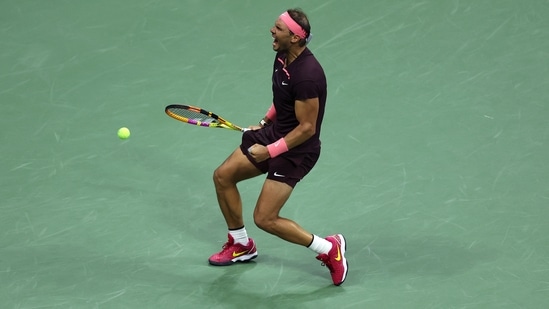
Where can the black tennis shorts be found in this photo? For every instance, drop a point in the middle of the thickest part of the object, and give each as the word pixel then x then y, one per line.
pixel 289 167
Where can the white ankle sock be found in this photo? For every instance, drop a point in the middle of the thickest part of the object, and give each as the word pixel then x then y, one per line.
pixel 320 245
pixel 240 236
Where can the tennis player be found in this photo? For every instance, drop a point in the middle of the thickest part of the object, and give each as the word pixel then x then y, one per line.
pixel 285 146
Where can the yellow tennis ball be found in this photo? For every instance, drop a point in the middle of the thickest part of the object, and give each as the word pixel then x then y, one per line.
pixel 123 133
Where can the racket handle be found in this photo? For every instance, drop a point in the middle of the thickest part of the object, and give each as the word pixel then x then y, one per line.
pixel 245 129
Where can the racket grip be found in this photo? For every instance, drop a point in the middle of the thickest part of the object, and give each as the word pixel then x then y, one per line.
pixel 245 129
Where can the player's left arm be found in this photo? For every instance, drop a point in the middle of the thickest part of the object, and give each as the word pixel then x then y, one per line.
pixel 306 112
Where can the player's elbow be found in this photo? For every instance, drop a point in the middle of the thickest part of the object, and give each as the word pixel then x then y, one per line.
pixel 308 129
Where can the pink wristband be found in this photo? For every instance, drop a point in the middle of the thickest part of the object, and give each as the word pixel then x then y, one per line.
pixel 271 113
pixel 277 147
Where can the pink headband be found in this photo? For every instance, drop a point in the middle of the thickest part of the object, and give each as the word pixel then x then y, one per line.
pixel 292 25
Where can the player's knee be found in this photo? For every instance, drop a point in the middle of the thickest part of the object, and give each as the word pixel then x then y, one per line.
pixel 222 177
pixel 263 223
pixel 218 177
pixel 260 223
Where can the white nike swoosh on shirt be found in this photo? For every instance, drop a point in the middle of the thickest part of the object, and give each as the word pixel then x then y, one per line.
pixel 278 175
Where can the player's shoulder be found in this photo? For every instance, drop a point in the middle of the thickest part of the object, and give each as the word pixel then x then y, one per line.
pixel 308 59
pixel 308 67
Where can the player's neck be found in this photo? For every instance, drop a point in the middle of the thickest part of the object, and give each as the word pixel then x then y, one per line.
pixel 293 53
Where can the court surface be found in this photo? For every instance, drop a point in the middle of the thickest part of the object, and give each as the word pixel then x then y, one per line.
pixel 434 165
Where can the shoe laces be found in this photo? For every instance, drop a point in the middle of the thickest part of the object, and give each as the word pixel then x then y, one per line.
pixel 329 267
pixel 227 245
pixel 325 261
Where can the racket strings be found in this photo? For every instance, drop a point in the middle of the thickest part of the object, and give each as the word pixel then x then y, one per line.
pixel 192 115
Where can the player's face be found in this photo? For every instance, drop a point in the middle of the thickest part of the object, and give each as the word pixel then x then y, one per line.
pixel 281 36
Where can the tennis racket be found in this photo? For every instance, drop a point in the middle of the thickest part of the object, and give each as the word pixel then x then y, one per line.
pixel 200 117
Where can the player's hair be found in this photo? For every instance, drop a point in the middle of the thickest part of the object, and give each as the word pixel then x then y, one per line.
pixel 301 19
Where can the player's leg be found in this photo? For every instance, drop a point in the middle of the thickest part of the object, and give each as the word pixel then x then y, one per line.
pixel 330 250
pixel 238 248
pixel 274 195
pixel 233 170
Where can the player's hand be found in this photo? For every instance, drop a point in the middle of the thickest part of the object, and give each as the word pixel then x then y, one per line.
pixel 255 128
pixel 259 152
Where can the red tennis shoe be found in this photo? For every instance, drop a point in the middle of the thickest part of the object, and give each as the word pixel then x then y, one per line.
pixel 232 253
pixel 335 259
